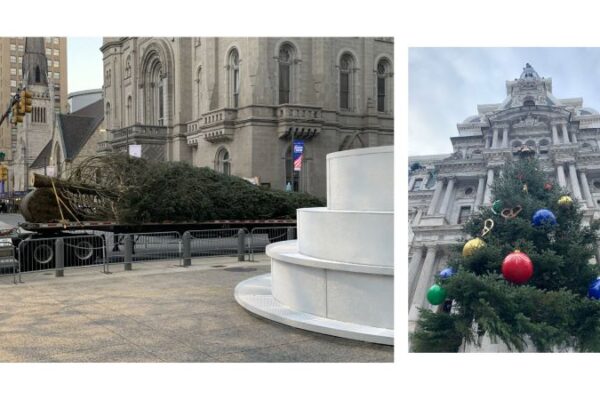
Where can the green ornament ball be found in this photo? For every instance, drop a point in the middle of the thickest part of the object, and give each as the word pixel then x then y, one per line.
pixel 436 295
pixel 497 206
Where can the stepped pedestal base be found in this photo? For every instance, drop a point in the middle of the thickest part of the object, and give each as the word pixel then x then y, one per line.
pixel 353 301
pixel 255 295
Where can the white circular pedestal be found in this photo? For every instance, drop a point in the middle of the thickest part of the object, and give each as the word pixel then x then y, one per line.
pixel 346 300
pixel 338 277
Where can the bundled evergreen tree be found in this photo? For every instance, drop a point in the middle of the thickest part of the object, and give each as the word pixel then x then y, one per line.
pixel 135 190
pixel 552 309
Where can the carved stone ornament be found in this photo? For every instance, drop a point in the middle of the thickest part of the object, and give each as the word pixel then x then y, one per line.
pixel 529 122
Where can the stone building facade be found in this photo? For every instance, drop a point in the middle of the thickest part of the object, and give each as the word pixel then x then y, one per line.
pixel 235 104
pixel 12 56
pixel 445 189
pixel 36 130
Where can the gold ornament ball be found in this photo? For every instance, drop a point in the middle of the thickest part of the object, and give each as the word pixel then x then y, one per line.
pixel 471 246
pixel 565 201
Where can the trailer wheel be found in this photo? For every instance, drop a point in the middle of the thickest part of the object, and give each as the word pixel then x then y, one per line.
pixel 37 257
pixel 43 253
pixel 83 251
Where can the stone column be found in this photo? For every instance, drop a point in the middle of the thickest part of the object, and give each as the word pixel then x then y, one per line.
pixel 565 133
pixel 586 189
pixel 413 272
pixel 574 137
pixel 574 182
pixel 555 139
pixel 479 196
pixel 417 219
pixel 488 187
pixel 411 182
pixel 560 171
pixel 495 139
pixel 504 138
pixel 418 299
pixel 486 141
pixel 446 201
pixel 436 197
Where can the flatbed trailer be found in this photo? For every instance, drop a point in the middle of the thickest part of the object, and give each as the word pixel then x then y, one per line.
pixel 54 228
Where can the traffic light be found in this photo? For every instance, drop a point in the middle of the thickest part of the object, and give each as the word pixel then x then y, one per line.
pixel 25 102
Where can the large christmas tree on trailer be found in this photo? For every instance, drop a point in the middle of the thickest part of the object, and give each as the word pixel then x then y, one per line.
pixel 133 191
pixel 524 275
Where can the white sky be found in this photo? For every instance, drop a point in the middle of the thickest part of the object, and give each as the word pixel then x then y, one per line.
pixel 84 63
pixel 447 84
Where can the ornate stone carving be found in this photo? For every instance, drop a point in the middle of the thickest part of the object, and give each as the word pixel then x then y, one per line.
pixel 529 122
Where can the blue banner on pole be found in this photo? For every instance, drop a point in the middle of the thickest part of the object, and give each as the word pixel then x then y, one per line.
pixel 298 150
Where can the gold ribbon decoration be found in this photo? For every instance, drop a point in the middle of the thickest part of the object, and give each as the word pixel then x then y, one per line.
pixel 488 225
pixel 511 213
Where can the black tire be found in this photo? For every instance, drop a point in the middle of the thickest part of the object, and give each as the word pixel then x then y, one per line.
pixel 37 256
pixel 83 251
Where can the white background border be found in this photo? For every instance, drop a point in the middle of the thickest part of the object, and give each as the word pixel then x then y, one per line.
pixel 413 24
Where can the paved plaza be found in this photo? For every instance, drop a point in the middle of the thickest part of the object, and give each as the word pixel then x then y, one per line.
pixel 158 312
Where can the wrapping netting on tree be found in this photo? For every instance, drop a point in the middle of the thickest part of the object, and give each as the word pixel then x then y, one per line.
pixel 135 191
pixel 551 310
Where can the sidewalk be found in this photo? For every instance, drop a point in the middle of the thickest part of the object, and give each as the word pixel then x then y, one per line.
pixel 159 312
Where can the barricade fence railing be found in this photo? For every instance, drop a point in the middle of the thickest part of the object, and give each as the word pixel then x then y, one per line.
pixel 9 265
pixel 86 249
pixel 215 242
pixel 261 237
pixel 154 246
pixel 58 253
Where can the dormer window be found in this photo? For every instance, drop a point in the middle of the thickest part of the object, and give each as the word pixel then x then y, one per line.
pixel 529 102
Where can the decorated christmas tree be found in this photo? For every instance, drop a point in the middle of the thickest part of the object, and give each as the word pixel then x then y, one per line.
pixel 526 274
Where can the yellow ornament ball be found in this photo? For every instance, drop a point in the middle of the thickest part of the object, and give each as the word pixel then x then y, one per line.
pixel 471 246
pixel 565 201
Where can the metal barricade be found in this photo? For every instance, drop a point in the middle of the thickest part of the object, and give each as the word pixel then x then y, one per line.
pixel 58 253
pixel 9 265
pixel 153 246
pixel 261 237
pixel 218 242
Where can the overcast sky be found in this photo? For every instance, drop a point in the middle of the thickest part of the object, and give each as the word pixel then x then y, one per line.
pixel 84 63
pixel 447 84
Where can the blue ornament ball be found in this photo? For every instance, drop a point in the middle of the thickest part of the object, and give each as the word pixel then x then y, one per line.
pixel 543 216
pixel 447 273
pixel 594 289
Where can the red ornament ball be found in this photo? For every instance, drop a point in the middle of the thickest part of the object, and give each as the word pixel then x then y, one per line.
pixel 517 267
pixel 548 186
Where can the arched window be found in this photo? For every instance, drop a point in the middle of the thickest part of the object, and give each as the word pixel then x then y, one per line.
pixel 155 87
pixel 199 91
pixel 58 160
pixel 129 112
pixel 160 95
pixel 346 81
pixel 223 162
pixel 108 116
pixel 286 56
pixel 529 101
pixel 38 75
pixel 128 67
pixel 234 79
pixel 383 67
